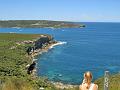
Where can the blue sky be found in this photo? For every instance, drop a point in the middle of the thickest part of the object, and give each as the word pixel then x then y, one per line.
pixel 68 10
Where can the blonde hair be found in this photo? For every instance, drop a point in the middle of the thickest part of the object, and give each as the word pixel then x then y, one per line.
pixel 88 77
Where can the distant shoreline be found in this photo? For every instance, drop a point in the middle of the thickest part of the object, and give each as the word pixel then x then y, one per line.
pixel 38 24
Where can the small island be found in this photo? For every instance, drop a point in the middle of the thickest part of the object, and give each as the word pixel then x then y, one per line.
pixel 38 24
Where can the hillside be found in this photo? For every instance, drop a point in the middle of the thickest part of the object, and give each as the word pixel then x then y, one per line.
pixel 13 61
pixel 114 82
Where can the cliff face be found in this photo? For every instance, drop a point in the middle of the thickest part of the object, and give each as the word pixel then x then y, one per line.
pixel 44 40
pixel 42 43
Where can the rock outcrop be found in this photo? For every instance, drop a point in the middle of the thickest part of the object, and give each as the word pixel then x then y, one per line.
pixel 44 40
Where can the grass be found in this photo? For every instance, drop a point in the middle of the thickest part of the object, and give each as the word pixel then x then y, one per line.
pixel 114 82
pixel 16 84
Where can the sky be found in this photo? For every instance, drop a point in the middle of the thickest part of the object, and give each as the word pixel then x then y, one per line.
pixel 61 10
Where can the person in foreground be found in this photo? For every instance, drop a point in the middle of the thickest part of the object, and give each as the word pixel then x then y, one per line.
pixel 87 84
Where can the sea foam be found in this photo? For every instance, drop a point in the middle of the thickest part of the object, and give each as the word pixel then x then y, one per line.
pixel 58 43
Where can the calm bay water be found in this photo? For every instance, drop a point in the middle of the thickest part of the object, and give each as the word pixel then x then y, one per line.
pixel 95 48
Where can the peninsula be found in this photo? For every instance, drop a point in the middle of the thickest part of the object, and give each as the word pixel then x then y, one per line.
pixel 16 52
pixel 38 24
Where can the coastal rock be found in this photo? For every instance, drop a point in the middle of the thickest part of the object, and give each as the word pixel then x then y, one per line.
pixel 40 45
pixel 31 67
pixel 44 40
pixel 62 86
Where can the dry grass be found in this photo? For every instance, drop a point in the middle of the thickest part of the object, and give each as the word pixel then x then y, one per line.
pixel 16 84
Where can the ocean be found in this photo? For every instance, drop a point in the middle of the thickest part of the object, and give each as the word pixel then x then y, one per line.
pixel 95 48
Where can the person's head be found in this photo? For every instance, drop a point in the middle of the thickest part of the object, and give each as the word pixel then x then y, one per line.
pixel 88 77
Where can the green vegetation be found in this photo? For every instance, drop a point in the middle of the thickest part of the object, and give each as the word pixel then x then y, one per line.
pixel 38 24
pixel 13 61
pixel 114 82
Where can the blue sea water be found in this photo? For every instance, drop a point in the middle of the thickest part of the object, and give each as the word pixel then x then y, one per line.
pixel 95 48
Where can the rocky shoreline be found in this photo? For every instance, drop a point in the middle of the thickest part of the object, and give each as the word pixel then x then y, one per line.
pixel 40 51
pixel 60 85
pixel 37 52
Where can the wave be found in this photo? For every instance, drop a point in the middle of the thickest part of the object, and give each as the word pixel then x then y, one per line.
pixel 58 43
pixel 34 59
pixel 12 32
